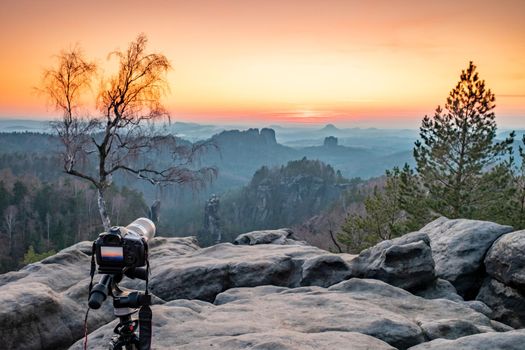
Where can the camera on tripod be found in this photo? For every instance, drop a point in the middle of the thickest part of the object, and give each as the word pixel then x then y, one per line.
pixel 124 247
pixel 123 251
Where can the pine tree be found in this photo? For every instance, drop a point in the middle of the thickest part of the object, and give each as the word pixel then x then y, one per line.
pixel 413 199
pixel 458 146
pixel 515 209
pixel 384 217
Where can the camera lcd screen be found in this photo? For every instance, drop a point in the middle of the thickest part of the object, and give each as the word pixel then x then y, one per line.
pixel 112 253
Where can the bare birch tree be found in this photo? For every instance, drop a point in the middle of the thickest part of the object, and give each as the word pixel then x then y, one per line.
pixel 10 222
pixel 123 135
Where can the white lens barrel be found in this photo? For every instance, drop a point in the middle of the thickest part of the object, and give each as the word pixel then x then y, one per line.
pixel 143 227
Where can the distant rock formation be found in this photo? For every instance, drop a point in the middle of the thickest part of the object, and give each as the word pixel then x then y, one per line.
pixel 268 135
pixel 394 295
pixel 330 141
pixel 251 136
pixel 212 222
pixel 330 128
pixel 154 212
pixel 283 196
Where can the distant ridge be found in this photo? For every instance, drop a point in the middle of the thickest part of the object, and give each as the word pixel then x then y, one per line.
pixel 330 128
pixel 22 125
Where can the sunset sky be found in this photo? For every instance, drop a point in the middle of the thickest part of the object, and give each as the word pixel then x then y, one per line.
pixel 363 63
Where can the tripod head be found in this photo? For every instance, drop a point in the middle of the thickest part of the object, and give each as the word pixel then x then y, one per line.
pixel 108 285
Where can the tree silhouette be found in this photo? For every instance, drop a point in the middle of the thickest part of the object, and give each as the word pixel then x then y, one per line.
pixel 458 145
pixel 123 135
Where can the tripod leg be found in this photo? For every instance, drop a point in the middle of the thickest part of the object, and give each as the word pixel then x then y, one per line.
pixel 115 346
pixel 131 347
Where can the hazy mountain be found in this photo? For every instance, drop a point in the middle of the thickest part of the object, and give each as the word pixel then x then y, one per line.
pixel 22 125
pixel 239 153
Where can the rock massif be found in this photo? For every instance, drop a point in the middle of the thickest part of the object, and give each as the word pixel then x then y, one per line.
pixel 269 291
pixel 458 249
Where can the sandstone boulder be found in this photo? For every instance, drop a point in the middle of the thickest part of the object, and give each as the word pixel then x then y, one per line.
pixel 280 236
pixel 459 247
pixel 505 261
pixel 513 340
pixel 210 271
pixel 48 299
pixel 439 289
pixel 405 262
pixel 507 303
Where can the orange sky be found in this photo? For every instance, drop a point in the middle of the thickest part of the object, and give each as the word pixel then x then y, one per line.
pixel 382 63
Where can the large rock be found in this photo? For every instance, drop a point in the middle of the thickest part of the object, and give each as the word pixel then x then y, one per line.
pixel 280 236
pixel 405 262
pixel 47 299
pixel 43 304
pixel 507 303
pixel 513 340
pixel 439 289
pixel 324 271
pixel 354 314
pixel 505 261
pixel 459 247
pixel 210 271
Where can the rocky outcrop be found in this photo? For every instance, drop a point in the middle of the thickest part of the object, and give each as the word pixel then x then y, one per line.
pixel 283 196
pixel 505 261
pixel 503 290
pixel 47 299
pixel 283 318
pixel 439 289
pixel 330 141
pixel 405 262
pixel 507 303
pixel 282 236
pixel 272 292
pixel 210 271
pixel 43 305
pixel 512 340
pixel 212 221
pixel 459 247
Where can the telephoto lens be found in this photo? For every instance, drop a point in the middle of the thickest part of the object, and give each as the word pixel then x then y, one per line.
pixel 142 227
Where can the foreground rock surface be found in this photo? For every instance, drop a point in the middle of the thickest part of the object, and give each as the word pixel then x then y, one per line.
pixel 459 247
pixel 49 297
pixel 43 304
pixel 210 271
pixel 512 340
pixel 282 318
pixel 284 294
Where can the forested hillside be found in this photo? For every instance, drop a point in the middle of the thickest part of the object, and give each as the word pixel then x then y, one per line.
pixel 281 196
pixel 43 216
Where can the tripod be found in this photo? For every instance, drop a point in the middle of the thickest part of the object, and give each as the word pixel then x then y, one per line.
pixel 125 337
pixel 125 303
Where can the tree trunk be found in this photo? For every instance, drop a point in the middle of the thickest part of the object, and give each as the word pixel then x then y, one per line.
pixel 102 210
pixel 48 223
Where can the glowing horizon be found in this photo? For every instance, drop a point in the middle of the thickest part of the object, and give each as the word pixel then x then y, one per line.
pixel 274 62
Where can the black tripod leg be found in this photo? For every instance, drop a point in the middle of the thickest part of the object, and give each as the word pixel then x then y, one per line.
pixel 145 316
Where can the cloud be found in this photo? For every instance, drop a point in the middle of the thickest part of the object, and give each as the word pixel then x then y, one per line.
pixel 512 95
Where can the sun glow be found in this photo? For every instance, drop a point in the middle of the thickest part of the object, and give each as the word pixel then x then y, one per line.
pixel 271 62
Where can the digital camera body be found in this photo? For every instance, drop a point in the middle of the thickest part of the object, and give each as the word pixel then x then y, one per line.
pixel 124 247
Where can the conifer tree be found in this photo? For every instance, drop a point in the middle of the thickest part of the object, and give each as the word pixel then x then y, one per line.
pixel 458 148
pixel 383 219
